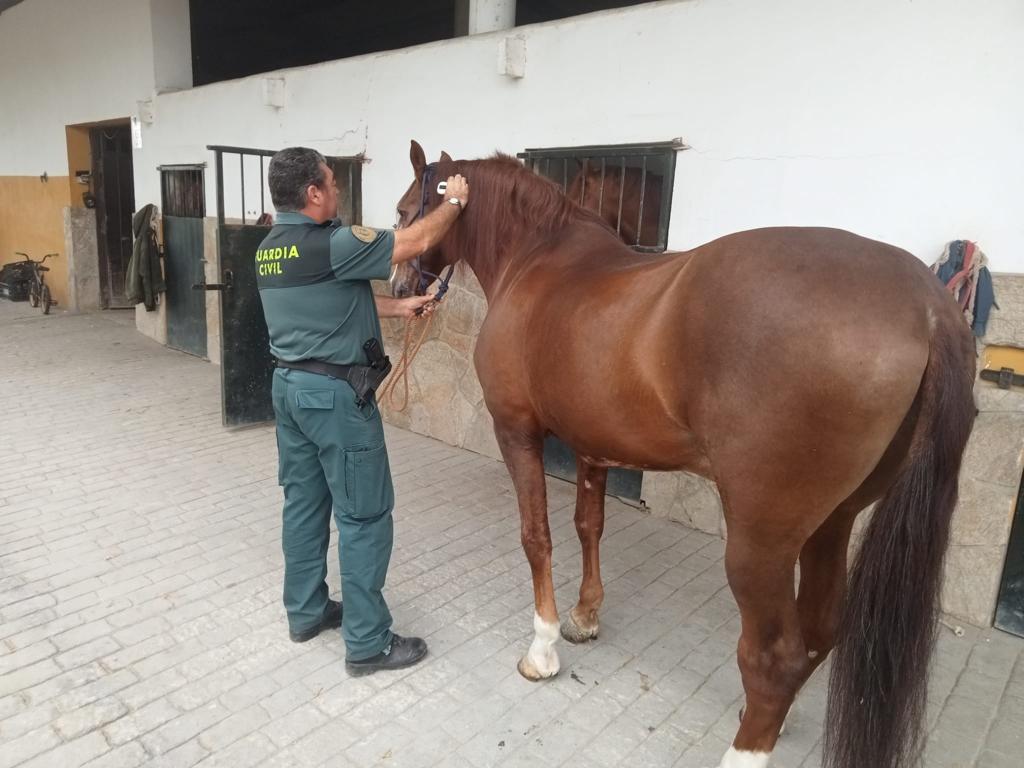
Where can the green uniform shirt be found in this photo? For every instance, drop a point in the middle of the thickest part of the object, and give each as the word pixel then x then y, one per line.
pixel 314 285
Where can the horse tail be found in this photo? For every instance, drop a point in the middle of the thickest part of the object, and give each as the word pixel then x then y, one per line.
pixel 887 633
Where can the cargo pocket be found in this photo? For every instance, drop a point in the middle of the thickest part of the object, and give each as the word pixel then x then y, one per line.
pixel 315 399
pixel 368 482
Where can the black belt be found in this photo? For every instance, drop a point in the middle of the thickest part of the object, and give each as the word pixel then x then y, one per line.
pixel 318 366
pixel 364 379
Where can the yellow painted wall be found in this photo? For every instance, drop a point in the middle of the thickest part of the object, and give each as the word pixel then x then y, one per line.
pixel 997 357
pixel 32 220
pixel 79 159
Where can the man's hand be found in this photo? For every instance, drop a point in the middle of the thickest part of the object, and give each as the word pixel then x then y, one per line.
pixel 423 234
pixel 404 308
pixel 410 305
pixel 457 188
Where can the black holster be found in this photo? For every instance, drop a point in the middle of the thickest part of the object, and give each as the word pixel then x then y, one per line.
pixel 364 379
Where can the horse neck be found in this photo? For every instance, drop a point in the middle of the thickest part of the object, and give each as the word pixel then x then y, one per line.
pixel 493 236
pixel 480 255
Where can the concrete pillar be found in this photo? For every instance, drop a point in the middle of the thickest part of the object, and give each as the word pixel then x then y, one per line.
pixel 491 15
pixel 82 252
pixel 172 45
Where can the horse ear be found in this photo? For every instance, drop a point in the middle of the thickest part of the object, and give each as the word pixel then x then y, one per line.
pixel 445 157
pixel 418 159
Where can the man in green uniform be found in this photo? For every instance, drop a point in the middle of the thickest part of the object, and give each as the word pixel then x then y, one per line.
pixel 313 276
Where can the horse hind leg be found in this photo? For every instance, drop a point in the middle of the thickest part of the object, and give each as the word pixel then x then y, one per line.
pixel 771 653
pixel 823 559
pixel 823 584
pixel 582 623
pixel 523 457
pixel 822 589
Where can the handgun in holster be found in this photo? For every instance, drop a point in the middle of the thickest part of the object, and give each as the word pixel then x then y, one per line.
pixel 366 379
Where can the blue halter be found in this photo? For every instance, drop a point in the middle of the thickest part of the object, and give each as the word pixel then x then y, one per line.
pixel 426 278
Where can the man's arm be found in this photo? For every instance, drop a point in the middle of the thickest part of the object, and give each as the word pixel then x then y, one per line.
pixel 424 234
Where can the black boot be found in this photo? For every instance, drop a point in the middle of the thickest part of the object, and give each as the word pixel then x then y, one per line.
pixel 402 652
pixel 331 620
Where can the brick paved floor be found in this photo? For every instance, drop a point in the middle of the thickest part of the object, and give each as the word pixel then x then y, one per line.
pixel 140 621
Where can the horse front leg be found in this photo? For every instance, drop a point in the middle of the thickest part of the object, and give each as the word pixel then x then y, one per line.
pixel 582 623
pixel 523 455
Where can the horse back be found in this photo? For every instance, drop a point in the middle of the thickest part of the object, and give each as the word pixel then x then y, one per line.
pixel 653 362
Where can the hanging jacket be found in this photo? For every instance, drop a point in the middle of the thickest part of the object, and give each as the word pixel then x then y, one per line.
pixel 963 268
pixel 145 278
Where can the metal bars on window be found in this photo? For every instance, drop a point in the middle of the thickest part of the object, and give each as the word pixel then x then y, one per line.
pixel 182 191
pixel 261 156
pixel 628 185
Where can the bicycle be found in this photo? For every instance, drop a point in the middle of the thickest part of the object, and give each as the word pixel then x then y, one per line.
pixel 38 290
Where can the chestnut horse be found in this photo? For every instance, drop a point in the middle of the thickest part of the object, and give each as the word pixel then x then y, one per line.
pixel 807 372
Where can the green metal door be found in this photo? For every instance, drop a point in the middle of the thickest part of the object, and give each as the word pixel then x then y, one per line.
pixel 1010 608
pixel 246 365
pixel 183 268
pixel 184 206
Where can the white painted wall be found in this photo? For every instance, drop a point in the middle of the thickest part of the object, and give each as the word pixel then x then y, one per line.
pixel 63 63
pixel 898 119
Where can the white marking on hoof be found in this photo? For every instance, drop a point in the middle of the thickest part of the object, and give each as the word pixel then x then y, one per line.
pixel 541 660
pixel 737 758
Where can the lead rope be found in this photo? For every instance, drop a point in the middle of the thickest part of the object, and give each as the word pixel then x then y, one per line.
pixel 409 352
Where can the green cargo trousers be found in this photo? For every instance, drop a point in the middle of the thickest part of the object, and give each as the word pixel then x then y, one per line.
pixel 332 455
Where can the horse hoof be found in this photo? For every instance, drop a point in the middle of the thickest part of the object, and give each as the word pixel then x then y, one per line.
pixel 576 634
pixel 528 670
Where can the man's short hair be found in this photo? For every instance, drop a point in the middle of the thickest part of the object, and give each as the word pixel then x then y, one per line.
pixel 291 172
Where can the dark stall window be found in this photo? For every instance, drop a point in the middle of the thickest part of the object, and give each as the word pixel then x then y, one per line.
pixel 534 11
pixel 237 38
pixel 182 191
pixel 628 185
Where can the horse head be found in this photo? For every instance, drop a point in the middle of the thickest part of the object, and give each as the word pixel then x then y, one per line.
pixel 420 198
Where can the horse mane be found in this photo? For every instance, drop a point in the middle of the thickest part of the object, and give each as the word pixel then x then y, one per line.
pixel 511 205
